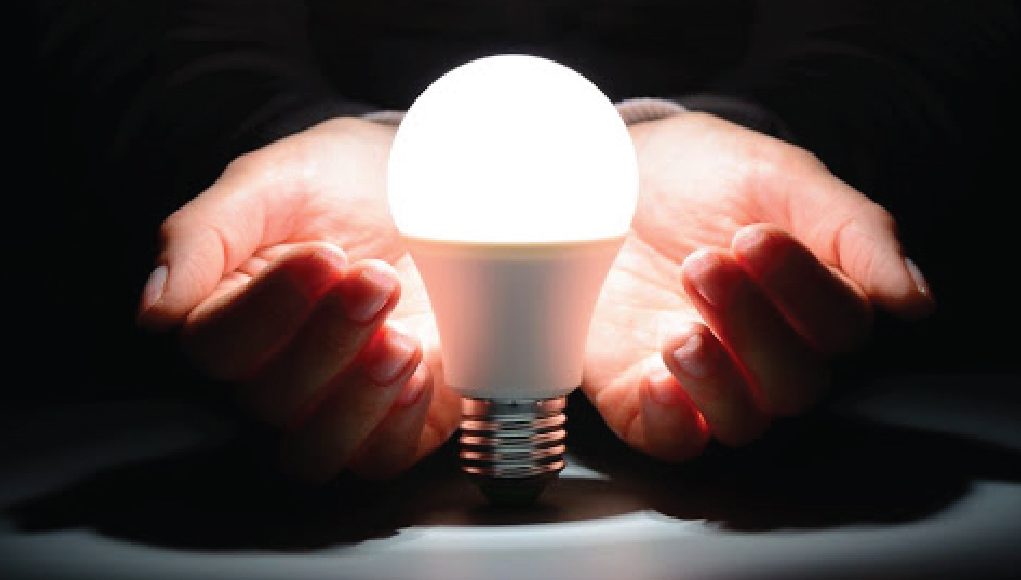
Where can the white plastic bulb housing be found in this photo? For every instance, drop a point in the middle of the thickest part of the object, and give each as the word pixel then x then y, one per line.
pixel 513 180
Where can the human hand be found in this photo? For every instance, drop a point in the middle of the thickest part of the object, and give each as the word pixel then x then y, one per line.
pixel 747 265
pixel 288 279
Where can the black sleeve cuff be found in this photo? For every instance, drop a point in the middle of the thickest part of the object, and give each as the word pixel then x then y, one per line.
pixel 740 111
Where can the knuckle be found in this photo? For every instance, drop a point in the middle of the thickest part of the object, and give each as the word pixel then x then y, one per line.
pixel 881 217
pixel 791 155
pixel 799 158
pixel 245 163
pixel 788 157
pixel 805 157
pixel 262 165
pixel 853 239
pixel 173 224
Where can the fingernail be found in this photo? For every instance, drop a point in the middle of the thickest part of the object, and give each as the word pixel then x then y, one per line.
pixel 380 286
pixel 333 254
pixel 664 389
pixel 693 357
pixel 153 288
pixel 918 277
pixel 414 388
pixel 712 286
pixel 397 353
pixel 749 239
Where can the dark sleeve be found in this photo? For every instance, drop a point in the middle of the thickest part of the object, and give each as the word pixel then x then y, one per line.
pixel 912 103
pixel 742 111
pixel 169 91
pixel 873 88
pixel 143 103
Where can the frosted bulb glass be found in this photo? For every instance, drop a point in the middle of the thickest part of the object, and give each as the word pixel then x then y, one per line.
pixel 512 148
pixel 513 181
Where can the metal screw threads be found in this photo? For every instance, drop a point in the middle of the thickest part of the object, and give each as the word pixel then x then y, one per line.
pixel 513 448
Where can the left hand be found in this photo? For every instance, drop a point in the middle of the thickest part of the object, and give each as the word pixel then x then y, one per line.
pixel 290 284
pixel 747 265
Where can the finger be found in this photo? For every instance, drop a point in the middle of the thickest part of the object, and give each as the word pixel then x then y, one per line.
pixel 715 385
pixel 234 332
pixel 852 233
pixel 401 440
pixel 444 413
pixel 357 400
pixel 393 446
pixel 237 280
pixel 789 374
pixel 341 324
pixel 825 308
pixel 669 426
pixel 212 235
pixel 253 267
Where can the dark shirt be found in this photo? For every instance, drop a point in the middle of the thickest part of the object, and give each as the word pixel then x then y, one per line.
pixel 145 102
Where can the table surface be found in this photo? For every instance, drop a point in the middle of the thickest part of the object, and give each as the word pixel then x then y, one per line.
pixel 913 476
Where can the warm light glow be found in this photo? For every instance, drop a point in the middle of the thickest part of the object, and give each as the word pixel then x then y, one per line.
pixel 512 149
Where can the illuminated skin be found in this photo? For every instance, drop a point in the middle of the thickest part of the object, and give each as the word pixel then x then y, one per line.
pixel 256 278
pixel 752 250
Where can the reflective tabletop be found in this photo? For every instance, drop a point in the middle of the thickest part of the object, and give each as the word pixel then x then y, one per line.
pixel 903 477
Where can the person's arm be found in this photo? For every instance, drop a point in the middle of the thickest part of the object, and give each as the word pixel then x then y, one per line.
pixel 170 92
pixel 271 266
pixel 874 89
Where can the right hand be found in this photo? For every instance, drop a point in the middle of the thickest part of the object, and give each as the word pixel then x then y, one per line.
pixel 747 267
pixel 286 278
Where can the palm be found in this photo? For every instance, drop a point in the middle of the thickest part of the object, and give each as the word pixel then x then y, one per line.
pixel 694 194
pixel 642 297
pixel 360 225
pixel 702 181
pixel 342 201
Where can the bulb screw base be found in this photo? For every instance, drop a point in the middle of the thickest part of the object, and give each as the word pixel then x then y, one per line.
pixel 513 449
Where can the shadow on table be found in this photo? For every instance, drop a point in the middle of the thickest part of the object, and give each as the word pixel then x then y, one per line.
pixel 825 471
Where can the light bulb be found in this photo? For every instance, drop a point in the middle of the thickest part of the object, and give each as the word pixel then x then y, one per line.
pixel 513 181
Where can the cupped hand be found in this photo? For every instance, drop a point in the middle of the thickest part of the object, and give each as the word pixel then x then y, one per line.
pixel 748 265
pixel 288 280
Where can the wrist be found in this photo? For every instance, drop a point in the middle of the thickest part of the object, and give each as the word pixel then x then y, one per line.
pixel 386 117
pixel 740 111
pixel 646 109
pixel 632 111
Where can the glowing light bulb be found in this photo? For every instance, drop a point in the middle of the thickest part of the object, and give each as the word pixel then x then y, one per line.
pixel 513 180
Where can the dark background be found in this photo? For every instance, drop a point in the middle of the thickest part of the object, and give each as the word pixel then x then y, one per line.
pixel 127 116
pixel 914 103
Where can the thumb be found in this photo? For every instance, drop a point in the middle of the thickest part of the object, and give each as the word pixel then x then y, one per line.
pixel 208 237
pixel 858 237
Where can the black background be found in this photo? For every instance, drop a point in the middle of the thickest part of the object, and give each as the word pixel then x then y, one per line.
pixel 82 228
